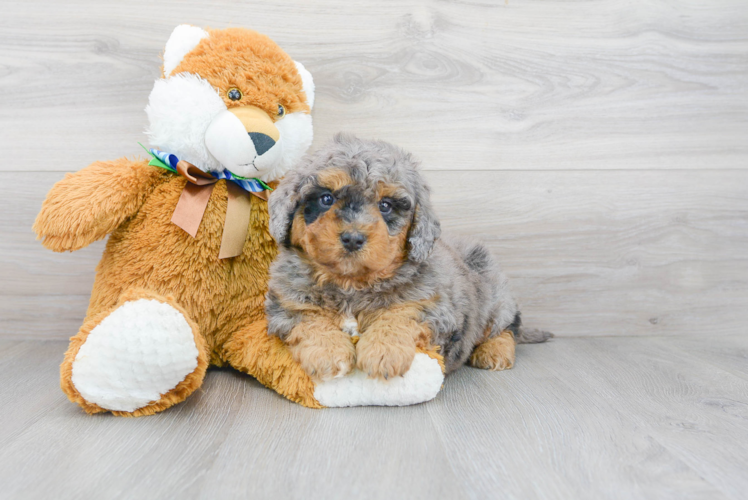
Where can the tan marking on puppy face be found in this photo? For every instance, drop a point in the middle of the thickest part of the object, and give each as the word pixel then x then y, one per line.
pixel 334 179
pixel 320 240
pixel 380 257
pixel 495 354
pixel 385 190
pixel 383 252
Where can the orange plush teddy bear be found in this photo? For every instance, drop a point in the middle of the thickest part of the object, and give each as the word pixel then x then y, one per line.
pixel 182 282
pixel 171 299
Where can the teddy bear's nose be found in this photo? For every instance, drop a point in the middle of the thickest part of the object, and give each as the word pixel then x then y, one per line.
pixel 261 141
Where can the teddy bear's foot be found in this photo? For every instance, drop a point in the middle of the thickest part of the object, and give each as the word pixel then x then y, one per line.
pixel 420 383
pixel 139 358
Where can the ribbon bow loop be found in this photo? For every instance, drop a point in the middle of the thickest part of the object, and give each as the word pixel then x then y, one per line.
pixel 196 194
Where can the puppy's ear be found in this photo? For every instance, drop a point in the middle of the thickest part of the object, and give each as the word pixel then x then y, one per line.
pixel 282 205
pixel 424 230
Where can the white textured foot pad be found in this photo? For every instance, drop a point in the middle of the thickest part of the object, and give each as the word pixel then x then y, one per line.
pixel 421 383
pixel 134 356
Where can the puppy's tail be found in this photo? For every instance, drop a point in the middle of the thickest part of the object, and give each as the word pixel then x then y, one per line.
pixel 532 336
pixel 524 335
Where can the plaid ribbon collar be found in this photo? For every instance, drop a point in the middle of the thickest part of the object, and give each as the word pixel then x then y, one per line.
pixel 169 162
pixel 196 193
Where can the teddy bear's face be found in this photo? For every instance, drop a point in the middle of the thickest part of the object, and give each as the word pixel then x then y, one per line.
pixel 231 100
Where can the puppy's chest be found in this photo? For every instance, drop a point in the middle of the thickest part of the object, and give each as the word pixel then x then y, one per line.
pixel 349 325
pixel 352 307
pixel 349 303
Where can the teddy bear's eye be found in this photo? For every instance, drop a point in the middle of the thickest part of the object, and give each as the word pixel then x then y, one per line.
pixel 234 94
pixel 281 111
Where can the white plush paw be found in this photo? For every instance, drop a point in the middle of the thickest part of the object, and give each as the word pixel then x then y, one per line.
pixel 139 352
pixel 420 383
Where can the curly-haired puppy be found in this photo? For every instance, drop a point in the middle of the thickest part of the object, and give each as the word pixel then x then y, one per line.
pixel 360 254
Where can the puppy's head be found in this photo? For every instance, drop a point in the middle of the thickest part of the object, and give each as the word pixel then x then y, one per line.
pixel 357 209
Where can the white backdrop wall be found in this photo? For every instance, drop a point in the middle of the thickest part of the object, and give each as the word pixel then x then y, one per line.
pixel 599 147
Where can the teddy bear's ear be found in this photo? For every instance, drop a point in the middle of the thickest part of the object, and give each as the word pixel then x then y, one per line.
pixel 308 83
pixel 183 39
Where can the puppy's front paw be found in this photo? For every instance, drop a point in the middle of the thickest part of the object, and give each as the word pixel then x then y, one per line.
pixel 327 357
pixel 384 357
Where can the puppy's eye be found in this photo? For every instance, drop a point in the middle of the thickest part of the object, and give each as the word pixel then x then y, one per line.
pixel 234 94
pixel 281 111
pixel 385 207
pixel 326 200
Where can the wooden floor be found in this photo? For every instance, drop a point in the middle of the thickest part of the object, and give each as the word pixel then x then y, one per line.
pixel 609 417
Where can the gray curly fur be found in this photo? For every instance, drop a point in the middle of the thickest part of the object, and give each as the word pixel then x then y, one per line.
pixel 471 291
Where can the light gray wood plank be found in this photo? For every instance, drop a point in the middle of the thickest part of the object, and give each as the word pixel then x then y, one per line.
pixel 730 353
pixel 695 410
pixel 31 388
pixel 68 454
pixel 41 317
pixel 284 451
pixel 233 438
pixel 567 404
pixel 468 85
pixel 575 418
pixel 588 252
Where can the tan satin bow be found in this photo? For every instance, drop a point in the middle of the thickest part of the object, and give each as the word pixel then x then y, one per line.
pixel 194 200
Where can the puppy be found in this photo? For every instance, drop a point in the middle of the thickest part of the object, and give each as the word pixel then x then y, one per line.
pixel 361 259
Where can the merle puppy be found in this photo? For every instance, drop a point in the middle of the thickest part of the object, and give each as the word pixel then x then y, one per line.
pixel 361 259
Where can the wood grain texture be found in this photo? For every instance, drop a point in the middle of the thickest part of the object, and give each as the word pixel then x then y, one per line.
pixel 466 84
pixel 728 354
pixel 588 252
pixel 614 418
pixel 671 417
pixel 33 392
pixel 574 439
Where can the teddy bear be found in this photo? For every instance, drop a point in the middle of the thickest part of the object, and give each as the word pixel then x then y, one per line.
pixel 182 281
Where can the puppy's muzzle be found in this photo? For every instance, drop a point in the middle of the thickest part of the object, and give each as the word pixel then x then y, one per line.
pixel 353 241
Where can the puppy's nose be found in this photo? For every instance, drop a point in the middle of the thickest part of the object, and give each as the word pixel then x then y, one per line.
pixel 261 141
pixel 352 241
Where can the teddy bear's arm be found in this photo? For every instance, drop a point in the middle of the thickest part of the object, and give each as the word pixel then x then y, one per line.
pixel 87 205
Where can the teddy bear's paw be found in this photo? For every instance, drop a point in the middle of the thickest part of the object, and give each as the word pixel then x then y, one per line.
pixel 421 383
pixel 138 353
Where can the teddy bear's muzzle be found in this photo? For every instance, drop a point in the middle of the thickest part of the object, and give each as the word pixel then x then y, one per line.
pixel 244 139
